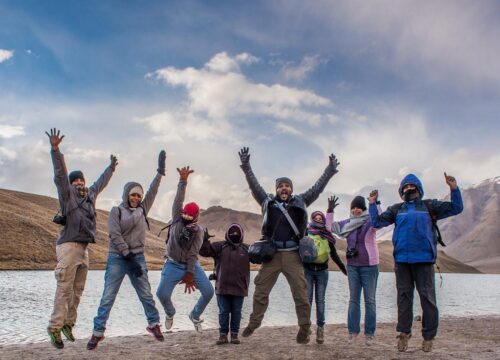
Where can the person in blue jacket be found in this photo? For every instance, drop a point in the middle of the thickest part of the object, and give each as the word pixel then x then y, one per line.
pixel 415 250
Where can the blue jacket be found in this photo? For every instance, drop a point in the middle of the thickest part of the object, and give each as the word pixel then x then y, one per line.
pixel 413 237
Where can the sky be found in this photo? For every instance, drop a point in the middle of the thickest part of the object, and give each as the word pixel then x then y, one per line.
pixel 389 87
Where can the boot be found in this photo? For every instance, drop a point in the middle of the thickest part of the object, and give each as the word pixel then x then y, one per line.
pixel 222 339
pixel 248 331
pixel 320 335
pixel 427 345
pixel 303 334
pixel 94 340
pixel 403 341
pixel 234 339
pixel 55 338
pixel 67 330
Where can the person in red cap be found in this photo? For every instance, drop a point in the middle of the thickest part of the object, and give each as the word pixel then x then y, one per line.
pixel 184 240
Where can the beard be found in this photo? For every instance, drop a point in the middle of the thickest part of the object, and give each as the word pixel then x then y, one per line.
pixel 82 191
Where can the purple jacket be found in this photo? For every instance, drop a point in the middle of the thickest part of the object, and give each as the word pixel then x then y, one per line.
pixel 363 239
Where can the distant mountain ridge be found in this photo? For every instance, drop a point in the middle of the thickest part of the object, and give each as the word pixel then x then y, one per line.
pixel 27 239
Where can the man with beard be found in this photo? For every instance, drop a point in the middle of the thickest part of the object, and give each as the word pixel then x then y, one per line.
pixel 77 204
pixel 415 240
pixel 184 241
pixel 278 229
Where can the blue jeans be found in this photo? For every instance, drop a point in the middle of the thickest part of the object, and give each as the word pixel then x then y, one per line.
pixel 362 277
pixel 316 285
pixel 229 305
pixel 171 274
pixel 116 269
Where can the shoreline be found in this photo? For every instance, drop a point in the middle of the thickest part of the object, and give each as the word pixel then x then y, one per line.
pixel 474 337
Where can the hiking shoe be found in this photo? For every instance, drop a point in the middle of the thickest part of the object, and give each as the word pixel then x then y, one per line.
pixel 67 330
pixel 403 341
pixel 234 339
pixel 169 322
pixel 196 323
pixel 94 340
pixel 303 334
pixel 352 337
pixel 55 338
pixel 369 339
pixel 156 332
pixel 427 345
pixel 248 331
pixel 222 339
pixel 320 335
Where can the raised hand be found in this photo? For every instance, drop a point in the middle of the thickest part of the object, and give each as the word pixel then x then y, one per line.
pixel 207 236
pixel 373 197
pixel 184 173
pixel 162 159
pixel 55 138
pixel 333 202
pixel 113 162
pixel 244 154
pixel 333 162
pixel 451 181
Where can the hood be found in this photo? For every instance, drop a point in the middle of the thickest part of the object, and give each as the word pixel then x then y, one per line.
pixel 229 230
pixel 126 189
pixel 411 179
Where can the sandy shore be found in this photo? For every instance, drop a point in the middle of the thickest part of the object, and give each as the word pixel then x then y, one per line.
pixel 458 338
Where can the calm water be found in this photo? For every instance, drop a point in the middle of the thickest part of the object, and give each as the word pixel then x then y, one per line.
pixel 26 303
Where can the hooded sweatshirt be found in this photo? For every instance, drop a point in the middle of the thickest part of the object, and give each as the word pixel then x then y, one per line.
pixel 80 212
pixel 127 226
pixel 232 265
pixel 413 238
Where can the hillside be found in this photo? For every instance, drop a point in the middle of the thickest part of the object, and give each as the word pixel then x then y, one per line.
pixel 28 237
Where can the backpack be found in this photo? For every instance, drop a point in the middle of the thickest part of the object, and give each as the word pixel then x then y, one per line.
pixel 322 248
pixel 435 229
pixel 307 250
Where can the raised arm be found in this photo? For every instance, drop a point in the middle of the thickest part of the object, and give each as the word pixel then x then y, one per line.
pixel 103 180
pixel 150 196
pixel 181 191
pixel 60 172
pixel 259 194
pixel 313 193
pixel 379 219
pixel 209 249
pixel 445 209
pixel 115 232
pixel 333 202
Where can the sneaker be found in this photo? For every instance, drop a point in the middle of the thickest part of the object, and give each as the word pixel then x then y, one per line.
pixel 156 332
pixel 403 341
pixel 352 337
pixel 94 340
pixel 369 339
pixel 427 345
pixel 320 335
pixel 248 331
pixel 222 339
pixel 67 330
pixel 234 339
pixel 196 323
pixel 169 322
pixel 55 338
pixel 303 334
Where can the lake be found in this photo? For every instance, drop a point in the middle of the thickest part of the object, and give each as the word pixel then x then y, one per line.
pixel 26 299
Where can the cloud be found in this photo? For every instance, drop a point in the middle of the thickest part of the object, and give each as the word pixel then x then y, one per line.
pixel 5 55
pixel 220 90
pixel 10 131
pixel 300 72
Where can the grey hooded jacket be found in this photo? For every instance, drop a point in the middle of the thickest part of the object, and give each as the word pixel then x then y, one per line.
pixel 80 213
pixel 127 226
pixel 175 250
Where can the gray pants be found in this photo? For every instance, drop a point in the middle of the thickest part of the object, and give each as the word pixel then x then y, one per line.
pixel 420 275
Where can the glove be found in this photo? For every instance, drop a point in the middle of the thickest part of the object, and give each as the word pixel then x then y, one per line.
pixel 114 162
pixel 333 202
pixel 373 197
pixel 188 279
pixel 184 173
pixel 333 163
pixel 207 236
pixel 162 157
pixel 244 154
pixel 133 266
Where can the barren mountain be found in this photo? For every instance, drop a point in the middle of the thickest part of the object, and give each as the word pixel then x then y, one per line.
pixel 473 237
pixel 27 240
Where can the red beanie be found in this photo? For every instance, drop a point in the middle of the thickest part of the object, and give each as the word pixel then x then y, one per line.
pixel 191 209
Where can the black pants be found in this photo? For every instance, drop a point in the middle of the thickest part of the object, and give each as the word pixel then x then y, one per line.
pixel 420 275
